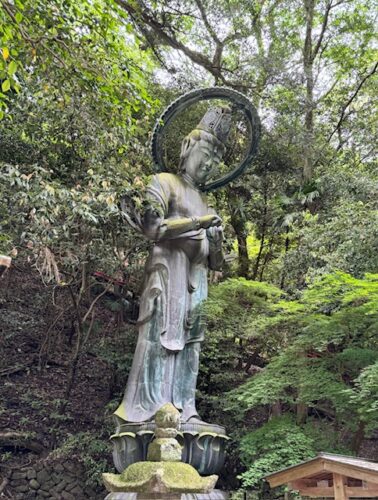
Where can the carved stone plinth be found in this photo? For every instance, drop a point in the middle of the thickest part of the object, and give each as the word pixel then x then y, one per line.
pixel 163 475
pixel 159 477
pixel 203 445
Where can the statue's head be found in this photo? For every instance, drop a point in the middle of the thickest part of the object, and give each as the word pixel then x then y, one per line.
pixel 203 148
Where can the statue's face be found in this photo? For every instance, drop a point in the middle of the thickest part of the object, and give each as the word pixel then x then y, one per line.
pixel 202 161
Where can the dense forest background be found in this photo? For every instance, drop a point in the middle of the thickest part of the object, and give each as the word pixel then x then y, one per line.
pixel 290 362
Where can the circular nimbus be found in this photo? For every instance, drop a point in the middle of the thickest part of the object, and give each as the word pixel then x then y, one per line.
pixel 240 103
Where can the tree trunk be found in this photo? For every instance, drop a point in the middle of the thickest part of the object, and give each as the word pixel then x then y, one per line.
pixel 287 246
pixel 243 259
pixel 308 62
pixel 276 409
pixel 302 411
pixel 268 255
pixel 74 362
pixel 239 225
pixel 258 258
pixel 20 440
pixel 262 239
pixel 358 437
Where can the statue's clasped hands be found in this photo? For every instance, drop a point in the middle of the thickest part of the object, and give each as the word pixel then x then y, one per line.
pixel 212 224
pixel 207 221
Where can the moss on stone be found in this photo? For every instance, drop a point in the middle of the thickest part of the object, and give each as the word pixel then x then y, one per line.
pixel 164 477
pixel 164 450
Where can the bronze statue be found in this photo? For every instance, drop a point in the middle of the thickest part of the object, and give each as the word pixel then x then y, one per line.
pixel 187 237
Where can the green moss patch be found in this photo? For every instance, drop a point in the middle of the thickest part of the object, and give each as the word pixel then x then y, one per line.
pixel 160 477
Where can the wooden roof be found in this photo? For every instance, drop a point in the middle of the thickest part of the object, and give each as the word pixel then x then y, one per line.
pixel 333 476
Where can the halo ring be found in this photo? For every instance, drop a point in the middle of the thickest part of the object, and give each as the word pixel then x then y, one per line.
pixel 239 101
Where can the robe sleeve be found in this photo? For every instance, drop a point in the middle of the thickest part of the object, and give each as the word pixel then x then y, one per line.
pixel 156 207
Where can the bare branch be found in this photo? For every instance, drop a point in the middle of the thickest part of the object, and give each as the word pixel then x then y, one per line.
pixel 140 15
pixel 323 30
pixel 351 99
pixel 233 36
pixel 106 289
pixel 217 58
pixel 327 93
pixel 329 7
pixel 206 22
pixel 3 484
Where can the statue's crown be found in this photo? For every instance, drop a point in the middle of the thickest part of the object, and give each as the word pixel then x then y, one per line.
pixel 217 121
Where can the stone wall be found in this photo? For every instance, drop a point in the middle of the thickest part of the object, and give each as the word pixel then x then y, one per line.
pixel 59 480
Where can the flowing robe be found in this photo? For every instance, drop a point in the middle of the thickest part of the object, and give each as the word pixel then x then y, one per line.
pixel 171 327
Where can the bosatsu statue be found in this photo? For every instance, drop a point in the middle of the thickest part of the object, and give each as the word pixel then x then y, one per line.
pixel 187 236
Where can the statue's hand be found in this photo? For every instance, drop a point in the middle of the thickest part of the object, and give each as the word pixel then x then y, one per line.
pixel 215 236
pixel 211 220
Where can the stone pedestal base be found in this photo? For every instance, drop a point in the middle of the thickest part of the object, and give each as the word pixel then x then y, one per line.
pixel 174 459
pixel 214 495
pixel 203 445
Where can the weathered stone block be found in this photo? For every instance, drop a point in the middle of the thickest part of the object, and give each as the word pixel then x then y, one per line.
pixel 60 487
pixel 38 466
pixel 43 493
pixel 56 477
pixel 90 493
pixel 164 450
pixel 43 476
pixel 48 485
pixel 23 488
pixel 77 491
pixel 18 482
pixel 31 474
pixel 71 467
pixel 34 484
pixel 59 467
pixel 71 485
pixel 19 475
pixel 67 496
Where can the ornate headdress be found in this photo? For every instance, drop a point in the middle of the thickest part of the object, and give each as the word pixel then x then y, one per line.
pixel 217 122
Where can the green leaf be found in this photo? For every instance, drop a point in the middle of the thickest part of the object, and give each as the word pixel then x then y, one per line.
pixel 5 85
pixel 12 68
pixel 18 17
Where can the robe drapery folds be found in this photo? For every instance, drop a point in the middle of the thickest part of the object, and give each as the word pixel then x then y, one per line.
pixel 171 328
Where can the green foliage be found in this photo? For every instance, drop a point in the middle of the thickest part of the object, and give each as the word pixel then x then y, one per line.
pixel 317 352
pixel 230 310
pixel 92 451
pixel 330 340
pixel 82 103
pixel 74 49
pixel 276 445
pixel 281 443
pixel 352 361
pixel 118 353
pixel 342 235
pixel 238 296
pixel 364 395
